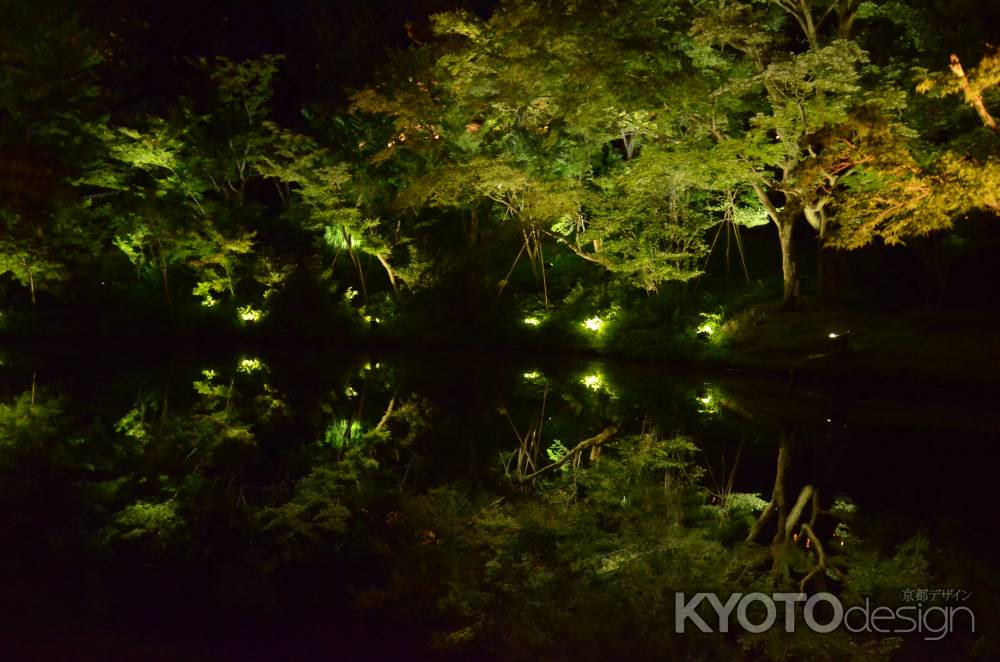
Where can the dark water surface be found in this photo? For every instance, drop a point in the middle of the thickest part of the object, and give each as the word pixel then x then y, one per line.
pixel 198 503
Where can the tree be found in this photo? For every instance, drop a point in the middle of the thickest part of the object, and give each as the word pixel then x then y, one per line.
pixel 792 115
pixel 332 206
pixel 542 116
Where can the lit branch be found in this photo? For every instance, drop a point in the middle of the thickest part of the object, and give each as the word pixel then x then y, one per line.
pixel 971 96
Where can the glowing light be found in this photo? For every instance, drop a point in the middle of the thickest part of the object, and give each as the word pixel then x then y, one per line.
pixel 534 377
pixel 208 301
pixel 532 321
pixel 710 323
pixel 833 335
pixel 708 402
pixel 249 314
pixel 593 382
pixel 249 366
pixel 593 324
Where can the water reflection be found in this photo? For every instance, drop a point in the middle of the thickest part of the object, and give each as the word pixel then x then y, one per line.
pixel 465 505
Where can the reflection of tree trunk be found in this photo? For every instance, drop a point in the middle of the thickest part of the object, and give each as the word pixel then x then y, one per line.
pixel 788 521
pixel 576 452
pixel 777 495
pixel 819 571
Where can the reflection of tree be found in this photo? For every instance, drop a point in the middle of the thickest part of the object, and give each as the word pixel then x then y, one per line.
pixel 790 525
pixel 529 444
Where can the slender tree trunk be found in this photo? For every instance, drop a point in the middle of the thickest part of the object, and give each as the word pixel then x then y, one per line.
pixel 389 272
pixel 541 260
pixel 31 285
pixel 166 281
pixel 357 265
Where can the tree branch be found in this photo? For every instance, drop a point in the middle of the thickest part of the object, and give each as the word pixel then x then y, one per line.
pixel 973 98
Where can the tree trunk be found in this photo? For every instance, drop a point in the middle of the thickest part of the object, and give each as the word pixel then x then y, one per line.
pixel 473 227
pixel 791 300
pixel 166 282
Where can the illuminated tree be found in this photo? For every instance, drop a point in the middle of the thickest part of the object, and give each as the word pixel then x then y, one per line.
pixel 802 105
pixel 181 184
pixel 895 196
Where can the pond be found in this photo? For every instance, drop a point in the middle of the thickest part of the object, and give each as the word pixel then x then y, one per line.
pixel 255 503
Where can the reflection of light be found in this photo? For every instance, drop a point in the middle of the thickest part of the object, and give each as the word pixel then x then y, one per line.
pixel 593 382
pixel 707 328
pixel 533 375
pixel 532 321
pixel 706 400
pixel 594 323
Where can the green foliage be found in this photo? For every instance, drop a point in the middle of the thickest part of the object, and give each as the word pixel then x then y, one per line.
pixel 143 521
